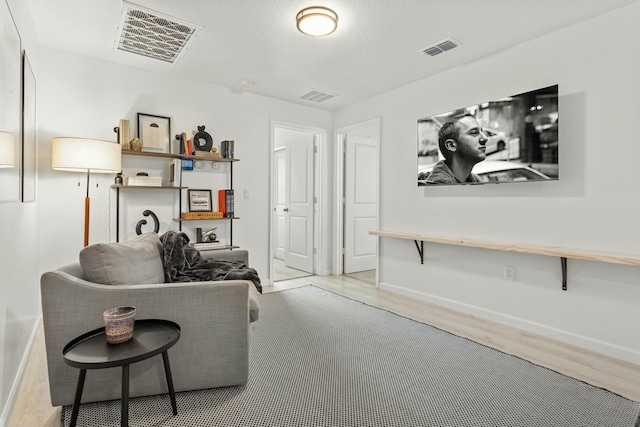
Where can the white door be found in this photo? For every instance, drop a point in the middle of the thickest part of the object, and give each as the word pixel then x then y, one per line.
pixel 299 203
pixel 281 186
pixel 361 198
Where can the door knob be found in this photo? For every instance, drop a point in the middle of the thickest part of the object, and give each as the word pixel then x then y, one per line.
pixel 286 209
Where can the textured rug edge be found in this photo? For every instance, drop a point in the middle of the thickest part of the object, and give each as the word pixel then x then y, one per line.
pixel 637 424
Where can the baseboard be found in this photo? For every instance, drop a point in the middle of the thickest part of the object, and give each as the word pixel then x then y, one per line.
pixel 588 343
pixel 6 411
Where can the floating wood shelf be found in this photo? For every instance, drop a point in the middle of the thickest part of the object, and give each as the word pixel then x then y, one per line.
pixel 146 187
pixel 219 249
pixel 175 156
pixel 556 251
pixel 206 219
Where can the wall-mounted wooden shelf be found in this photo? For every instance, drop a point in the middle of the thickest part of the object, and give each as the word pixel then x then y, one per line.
pixel 221 248
pixel 556 251
pixel 147 187
pixel 175 156
pixel 206 219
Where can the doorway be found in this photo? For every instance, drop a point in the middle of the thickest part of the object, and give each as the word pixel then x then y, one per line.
pixel 358 190
pixel 295 187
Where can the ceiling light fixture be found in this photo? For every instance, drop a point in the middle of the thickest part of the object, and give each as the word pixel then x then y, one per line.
pixel 317 21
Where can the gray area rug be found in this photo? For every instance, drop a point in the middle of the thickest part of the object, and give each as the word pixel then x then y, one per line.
pixel 320 359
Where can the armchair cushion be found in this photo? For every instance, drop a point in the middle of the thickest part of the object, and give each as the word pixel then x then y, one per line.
pixel 134 262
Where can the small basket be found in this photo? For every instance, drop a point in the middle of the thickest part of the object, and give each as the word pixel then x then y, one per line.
pixel 119 323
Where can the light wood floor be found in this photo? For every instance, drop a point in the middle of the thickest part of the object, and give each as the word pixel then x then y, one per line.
pixel 33 406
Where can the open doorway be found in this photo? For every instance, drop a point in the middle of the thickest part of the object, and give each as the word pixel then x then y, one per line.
pixel 295 187
pixel 357 201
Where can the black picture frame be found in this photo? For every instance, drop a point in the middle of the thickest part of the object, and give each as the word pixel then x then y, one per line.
pixel 200 200
pixel 154 132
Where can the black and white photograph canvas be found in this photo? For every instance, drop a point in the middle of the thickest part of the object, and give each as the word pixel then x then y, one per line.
pixel 511 139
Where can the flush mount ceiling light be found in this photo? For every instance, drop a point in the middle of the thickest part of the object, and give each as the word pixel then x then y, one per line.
pixel 317 21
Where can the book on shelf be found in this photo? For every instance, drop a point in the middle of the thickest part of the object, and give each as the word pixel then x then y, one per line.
pixel 208 245
pixel 201 215
pixel 144 181
pixel 226 202
pixel 207 155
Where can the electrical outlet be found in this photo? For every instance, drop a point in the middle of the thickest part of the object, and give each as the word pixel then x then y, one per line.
pixel 247 194
pixel 509 272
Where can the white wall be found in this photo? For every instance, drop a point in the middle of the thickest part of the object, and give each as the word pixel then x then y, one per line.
pixel 86 97
pixel 19 280
pixel 593 206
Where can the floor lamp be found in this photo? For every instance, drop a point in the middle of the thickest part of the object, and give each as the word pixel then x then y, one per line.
pixel 86 155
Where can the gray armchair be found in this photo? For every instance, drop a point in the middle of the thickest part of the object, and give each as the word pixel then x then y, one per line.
pixel 215 320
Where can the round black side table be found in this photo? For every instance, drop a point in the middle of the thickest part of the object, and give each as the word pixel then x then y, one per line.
pixel 91 351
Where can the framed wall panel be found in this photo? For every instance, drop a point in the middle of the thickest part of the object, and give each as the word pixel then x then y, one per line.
pixel 10 100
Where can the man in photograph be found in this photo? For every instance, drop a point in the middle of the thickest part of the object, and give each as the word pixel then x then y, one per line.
pixel 462 144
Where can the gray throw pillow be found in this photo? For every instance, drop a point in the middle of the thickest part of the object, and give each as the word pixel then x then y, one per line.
pixel 133 262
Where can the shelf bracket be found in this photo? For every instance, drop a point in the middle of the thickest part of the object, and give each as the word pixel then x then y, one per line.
pixel 563 264
pixel 420 249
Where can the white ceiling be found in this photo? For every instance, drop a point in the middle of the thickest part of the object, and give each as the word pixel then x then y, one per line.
pixel 377 46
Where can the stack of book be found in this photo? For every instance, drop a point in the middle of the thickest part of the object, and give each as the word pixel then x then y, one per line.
pixel 208 246
pixel 207 154
pixel 145 181
pixel 225 203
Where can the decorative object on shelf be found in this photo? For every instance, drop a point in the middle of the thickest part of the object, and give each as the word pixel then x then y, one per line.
pixel 119 323
pixel 7 150
pixel 210 236
pixel 156 223
pixel 206 237
pixel 180 137
pixel 90 155
pixel 187 164
pixel 124 134
pixel 174 172
pixel 202 140
pixel 136 144
pixel 28 193
pixel 226 149
pixel 155 132
pixel 11 75
pixel 118 179
pixel 201 215
pixel 200 200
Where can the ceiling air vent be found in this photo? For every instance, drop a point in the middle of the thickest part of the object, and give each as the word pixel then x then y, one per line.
pixel 151 34
pixel 316 96
pixel 440 47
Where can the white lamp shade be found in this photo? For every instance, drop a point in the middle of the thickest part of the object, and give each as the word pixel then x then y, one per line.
pixel 82 155
pixel 317 21
pixel 7 150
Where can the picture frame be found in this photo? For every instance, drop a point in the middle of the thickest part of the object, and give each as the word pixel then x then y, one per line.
pixel 200 200
pixel 154 132
pixel 10 101
pixel 29 131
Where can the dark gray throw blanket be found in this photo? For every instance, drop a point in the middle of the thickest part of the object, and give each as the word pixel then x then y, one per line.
pixel 184 263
